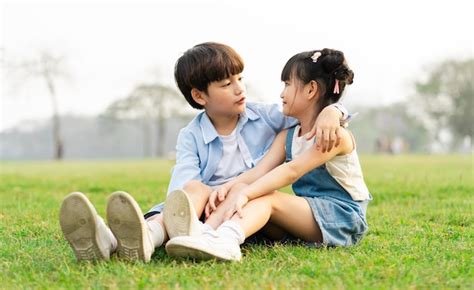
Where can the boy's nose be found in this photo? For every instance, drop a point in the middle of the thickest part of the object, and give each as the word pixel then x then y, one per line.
pixel 239 88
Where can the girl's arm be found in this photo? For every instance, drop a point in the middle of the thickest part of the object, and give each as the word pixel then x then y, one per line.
pixel 274 157
pixel 290 172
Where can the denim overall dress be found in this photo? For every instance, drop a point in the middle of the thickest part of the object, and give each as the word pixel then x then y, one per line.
pixel 341 219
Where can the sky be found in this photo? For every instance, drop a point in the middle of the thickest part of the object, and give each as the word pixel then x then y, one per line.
pixel 109 47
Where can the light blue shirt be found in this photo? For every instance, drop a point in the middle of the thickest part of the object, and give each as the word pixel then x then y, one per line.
pixel 199 149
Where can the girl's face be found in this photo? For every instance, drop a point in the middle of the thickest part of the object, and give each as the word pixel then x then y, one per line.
pixel 293 98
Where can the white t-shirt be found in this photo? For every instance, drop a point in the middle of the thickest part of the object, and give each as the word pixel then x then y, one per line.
pixel 232 162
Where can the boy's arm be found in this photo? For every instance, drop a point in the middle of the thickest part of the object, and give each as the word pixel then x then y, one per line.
pixel 187 161
pixel 328 125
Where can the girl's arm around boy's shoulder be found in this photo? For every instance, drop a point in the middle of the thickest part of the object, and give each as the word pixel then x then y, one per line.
pixel 290 172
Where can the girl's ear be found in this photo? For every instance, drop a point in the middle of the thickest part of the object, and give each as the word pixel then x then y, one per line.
pixel 198 96
pixel 312 89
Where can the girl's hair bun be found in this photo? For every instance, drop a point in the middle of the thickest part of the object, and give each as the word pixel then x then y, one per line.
pixel 333 62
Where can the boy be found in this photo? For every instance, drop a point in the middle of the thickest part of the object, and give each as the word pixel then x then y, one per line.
pixel 228 138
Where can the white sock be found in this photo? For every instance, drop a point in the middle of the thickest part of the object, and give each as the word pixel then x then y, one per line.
pixel 157 232
pixel 105 229
pixel 231 230
pixel 206 227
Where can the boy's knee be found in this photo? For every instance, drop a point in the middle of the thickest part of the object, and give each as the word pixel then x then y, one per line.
pixel 196 187
pixel 192 186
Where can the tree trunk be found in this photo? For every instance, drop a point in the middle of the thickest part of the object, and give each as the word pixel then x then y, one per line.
pixel 147 151
pixel 161 136
pixel 58 142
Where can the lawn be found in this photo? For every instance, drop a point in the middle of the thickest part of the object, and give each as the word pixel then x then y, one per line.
pixel 421 232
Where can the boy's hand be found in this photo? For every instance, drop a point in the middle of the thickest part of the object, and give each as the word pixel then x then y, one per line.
pixel 326 128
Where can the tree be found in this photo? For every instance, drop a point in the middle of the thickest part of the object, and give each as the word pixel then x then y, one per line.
pixel 151 102
pixel 447 96
pixel 47 68
pixel 387 124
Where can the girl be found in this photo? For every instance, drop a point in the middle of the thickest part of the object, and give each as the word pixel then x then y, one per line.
pixel 331 199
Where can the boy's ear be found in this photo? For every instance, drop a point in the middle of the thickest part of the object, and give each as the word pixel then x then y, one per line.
pixel 198 96
pixel 312 89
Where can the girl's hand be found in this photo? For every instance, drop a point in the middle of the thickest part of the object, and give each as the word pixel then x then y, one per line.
pixel 326 128
pixel 208 210
pixel 217 195
pixel 238 202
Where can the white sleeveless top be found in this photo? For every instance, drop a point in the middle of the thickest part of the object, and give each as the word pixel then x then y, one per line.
pixel 345 169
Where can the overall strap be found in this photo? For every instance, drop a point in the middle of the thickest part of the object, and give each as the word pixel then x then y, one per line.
pixel 289 143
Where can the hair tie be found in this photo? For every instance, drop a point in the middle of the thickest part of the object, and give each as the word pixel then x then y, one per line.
pixel 336 87
pixel 315 56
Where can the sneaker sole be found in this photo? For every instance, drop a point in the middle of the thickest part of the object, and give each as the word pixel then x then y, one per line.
pixel 184 250
pixel 78 220
pixel 178 214
pixel 125 219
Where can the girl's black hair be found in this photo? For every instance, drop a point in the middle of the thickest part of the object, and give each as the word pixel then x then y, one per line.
pixel 325 70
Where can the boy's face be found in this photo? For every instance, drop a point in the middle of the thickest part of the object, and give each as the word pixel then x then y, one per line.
pixel 225 97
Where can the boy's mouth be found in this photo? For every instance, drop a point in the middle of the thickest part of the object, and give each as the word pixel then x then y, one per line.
pixel 241 101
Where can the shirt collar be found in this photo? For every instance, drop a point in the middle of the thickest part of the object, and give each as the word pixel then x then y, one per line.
pixel 209 133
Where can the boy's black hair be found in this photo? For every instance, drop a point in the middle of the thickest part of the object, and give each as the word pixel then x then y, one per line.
pixel 205 63
pixel 323 66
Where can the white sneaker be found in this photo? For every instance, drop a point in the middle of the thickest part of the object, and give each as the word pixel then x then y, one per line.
pixel 80 225
pixel 207 246
pixel 126 221
pixel 179 216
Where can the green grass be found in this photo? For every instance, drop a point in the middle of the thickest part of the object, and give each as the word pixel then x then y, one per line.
pixel 420 236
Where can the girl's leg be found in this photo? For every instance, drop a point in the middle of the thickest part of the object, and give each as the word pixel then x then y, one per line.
pixel 290 212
